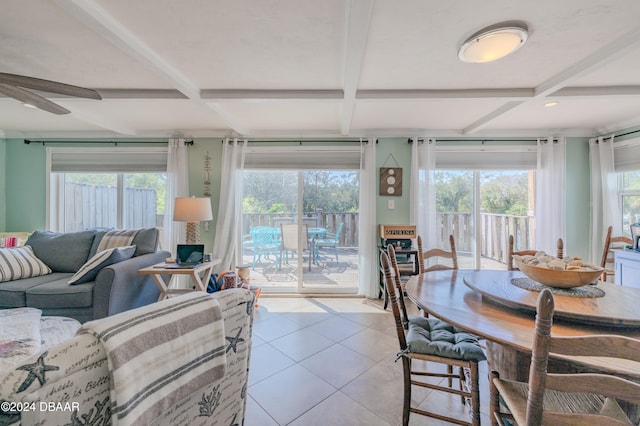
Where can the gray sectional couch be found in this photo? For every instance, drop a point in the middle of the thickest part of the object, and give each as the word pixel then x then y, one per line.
pixel 116 288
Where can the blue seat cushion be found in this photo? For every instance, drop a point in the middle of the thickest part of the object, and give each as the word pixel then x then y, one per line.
pixel 431 336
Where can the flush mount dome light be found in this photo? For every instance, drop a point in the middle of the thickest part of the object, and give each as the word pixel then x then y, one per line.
pixel 493 43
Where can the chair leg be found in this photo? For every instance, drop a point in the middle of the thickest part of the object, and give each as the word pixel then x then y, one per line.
pixel 494 399
pixel 406 404
pixel 475 393
pixel 336 252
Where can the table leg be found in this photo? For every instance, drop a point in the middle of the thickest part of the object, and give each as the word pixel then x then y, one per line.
pixel 162 285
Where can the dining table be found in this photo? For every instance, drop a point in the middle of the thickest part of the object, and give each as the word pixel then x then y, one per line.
pixel 485 303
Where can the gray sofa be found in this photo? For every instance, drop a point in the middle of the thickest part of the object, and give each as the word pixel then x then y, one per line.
pixel 116 288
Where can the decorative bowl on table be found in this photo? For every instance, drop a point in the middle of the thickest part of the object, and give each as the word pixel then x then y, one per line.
pixel 571 276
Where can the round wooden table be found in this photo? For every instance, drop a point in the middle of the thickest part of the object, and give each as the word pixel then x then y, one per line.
pixel 508 325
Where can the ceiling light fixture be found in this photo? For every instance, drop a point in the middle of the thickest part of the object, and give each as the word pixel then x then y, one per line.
pixel 551 104
pixel 494 42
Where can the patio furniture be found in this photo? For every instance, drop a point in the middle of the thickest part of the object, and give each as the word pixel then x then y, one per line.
pixel 289 232
pixel 266 241
pixel 329 240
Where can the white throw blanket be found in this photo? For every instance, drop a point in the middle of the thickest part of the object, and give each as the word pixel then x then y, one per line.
pixel 160 354
pixel 19 335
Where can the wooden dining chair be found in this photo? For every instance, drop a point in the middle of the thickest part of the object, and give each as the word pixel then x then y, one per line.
pixel 566 399
pixel 430 339
pixel 611 244
pixel 436 253
pixel 512 252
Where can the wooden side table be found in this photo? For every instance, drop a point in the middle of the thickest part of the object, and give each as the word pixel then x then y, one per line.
pixel 199 275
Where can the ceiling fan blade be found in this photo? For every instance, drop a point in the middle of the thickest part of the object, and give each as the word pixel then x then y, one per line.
pixel 32 99
pixel 48 86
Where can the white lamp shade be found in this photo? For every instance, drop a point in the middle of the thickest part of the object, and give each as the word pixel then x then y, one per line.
pixel 193 209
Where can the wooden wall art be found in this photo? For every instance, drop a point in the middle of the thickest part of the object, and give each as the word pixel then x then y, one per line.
pixel 391 181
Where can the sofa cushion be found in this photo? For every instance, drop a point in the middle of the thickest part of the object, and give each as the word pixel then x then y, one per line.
pixel 20 262
pixel 90 269
pixel 62 252
pixel 117 238
pixel 13 293
pixel 60 294
pixel 147 240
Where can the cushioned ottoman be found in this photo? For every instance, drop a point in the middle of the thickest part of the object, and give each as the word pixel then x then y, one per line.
pixel 24 332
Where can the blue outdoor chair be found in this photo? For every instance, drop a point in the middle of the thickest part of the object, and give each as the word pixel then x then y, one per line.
pixel 266 241
pixel 329 240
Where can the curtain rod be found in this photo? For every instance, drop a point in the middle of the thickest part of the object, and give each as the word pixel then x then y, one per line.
pixel 625 134
pixel 300 142
pixel 410 140
pixel 115 143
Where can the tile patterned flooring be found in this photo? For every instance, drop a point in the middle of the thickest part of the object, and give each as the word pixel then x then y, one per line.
pixel 330 361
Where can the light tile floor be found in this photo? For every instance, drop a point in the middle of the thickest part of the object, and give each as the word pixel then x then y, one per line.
pixel 331 361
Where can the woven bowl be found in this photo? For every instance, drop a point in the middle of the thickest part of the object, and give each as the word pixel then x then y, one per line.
pixel 558 278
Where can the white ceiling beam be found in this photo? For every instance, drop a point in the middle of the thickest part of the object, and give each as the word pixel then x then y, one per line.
pixel 100 21
pixel 481 122
pixel 358 20
pixel 613 50
pixel 596 91
pixel 271 95
pixel 409 94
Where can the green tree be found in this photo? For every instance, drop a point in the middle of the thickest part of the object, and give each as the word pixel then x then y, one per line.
pixel 454 191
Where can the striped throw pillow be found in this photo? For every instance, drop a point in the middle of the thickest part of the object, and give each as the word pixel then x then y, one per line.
pixel 20 262
pixel 90 269
pixel 117 238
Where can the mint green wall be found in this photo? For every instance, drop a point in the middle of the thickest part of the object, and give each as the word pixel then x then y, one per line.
pixel 3 177
pixel 25 186
pixel 394 153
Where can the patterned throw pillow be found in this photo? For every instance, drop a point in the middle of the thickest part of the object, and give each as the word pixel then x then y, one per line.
pixel 90 269
pixel 117 238
pixel 20 262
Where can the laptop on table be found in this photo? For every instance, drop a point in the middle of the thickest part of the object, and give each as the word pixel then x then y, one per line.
pixel 188 256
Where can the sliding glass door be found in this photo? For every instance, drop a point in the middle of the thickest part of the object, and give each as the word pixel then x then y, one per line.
pixel 481 209
pixel 299 229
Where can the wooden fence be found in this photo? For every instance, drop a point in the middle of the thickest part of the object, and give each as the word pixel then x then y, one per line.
pixel 96 206
pixel 494 229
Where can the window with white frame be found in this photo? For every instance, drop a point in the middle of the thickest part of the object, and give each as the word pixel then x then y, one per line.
pixel 91 188
pixel 627 166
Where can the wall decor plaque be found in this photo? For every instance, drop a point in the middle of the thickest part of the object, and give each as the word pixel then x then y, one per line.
pixel 391 181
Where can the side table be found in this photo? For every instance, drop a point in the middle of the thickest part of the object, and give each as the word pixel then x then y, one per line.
pixel 199 275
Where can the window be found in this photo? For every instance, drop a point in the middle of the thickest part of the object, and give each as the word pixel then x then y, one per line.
pixel 630 199
pixel 115 188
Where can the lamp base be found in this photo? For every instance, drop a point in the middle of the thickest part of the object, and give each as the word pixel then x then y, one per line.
pixel 193 232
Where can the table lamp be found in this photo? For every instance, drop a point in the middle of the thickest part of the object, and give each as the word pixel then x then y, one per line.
pixel 192 210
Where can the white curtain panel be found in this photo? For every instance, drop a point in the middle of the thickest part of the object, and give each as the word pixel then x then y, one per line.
pixel 423 191
pixel 177 186
pixel 550 194
pixel 605 208
pixel 368 248
pixel 228 225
